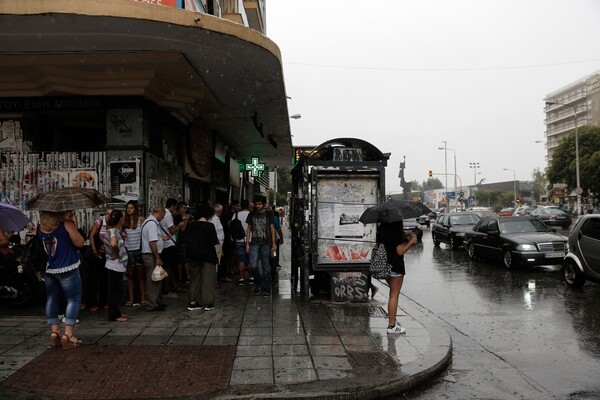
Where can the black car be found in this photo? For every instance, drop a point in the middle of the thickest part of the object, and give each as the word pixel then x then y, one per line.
pixel 552 216
pixel 583 260
pixel 517 241
pixel 451 228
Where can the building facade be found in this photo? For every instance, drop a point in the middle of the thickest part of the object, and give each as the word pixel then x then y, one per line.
pixel 142 100
pixel 579 105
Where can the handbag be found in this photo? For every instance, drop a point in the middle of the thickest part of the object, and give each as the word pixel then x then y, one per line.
pixel 379 267
pixel 159 273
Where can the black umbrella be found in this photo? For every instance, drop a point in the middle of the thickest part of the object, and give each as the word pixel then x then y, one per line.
pixel 391 211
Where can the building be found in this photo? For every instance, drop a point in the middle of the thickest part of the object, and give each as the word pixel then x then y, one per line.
pixel 579 101
pixel 140 99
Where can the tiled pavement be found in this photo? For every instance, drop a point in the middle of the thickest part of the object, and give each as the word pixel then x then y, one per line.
pixel 248 347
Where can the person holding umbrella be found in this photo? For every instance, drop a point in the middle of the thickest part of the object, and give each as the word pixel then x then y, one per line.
pixel 392 237
pixel 390 232
pixel 60 240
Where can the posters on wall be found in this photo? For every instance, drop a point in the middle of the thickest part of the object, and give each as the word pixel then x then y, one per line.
pixel 125 180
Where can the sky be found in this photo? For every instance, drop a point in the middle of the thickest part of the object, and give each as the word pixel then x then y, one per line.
pixel 408 75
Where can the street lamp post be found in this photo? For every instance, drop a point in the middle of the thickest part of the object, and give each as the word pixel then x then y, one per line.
pixel 445 148
pixel 514 184
pixel 578 189
pixel 474 165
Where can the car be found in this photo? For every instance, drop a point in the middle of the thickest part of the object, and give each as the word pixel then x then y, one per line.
pixel 525 210
pixel 411 226
pixel 482 211
pixel 552 217
pixel 583 259
pixel 451 228
pixel 506 212
pixel 516 241
pixel 424 220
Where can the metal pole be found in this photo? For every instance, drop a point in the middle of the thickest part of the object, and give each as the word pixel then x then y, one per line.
pixel 446 175
pixel 514 184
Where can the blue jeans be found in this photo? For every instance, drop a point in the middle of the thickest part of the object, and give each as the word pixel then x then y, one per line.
pixel 262 251
pixel 69 284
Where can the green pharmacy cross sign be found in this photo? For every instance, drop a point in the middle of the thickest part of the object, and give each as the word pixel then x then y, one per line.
pixel 255 167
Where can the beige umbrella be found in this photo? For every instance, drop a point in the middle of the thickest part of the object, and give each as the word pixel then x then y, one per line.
pixel 66 199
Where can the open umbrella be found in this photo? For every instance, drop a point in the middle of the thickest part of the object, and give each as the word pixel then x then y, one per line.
pixel 391 211
pixel 11 218
pixel 66 199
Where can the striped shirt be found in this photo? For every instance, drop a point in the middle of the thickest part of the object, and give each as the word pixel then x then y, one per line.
pixel 132 240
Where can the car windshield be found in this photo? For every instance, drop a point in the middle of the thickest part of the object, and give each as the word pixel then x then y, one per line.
pixel 523 226
pixel 469 219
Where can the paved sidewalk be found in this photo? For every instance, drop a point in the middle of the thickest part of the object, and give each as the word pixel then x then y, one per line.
pixel 248 347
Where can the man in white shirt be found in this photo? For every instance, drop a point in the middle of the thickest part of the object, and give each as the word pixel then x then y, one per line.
pixel 169 254
pixel 240 244
pixel 216 221
pixel 152 246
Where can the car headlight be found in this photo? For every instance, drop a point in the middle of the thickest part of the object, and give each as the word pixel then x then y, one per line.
pixel 526 247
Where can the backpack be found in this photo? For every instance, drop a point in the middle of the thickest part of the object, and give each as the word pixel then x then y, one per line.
pixel 236 229
pixel 379 268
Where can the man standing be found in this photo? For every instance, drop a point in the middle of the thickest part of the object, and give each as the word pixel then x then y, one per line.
pixel 240 241
pixel 169 253
pixel 260 243
pixel 216 221
pixel 152 246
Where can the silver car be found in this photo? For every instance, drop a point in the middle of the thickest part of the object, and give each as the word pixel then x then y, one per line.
pixel 582 261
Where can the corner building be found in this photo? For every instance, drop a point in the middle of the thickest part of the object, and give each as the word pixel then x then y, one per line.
pixel 139 99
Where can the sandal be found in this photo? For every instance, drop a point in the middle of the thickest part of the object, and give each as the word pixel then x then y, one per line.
pixel 68 342
pixel 122 318
pixel 129 303
pixel 54 339
pixel 144 303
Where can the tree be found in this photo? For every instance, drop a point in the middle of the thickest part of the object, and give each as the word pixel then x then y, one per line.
pixel 563 166
pixel 284 185
pixel 415 186
pixel 540 183
pixel 432 184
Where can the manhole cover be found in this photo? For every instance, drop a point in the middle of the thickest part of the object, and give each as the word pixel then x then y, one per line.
pixel 378 359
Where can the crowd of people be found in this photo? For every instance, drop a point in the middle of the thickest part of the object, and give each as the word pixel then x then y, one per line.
pixel 195 247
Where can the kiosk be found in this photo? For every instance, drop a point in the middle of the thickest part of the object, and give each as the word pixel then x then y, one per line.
pixel 332 186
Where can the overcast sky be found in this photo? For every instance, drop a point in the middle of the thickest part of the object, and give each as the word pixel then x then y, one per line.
pixel 408 75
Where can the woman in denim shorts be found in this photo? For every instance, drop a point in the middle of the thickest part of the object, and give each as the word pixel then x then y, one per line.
pixel 396 244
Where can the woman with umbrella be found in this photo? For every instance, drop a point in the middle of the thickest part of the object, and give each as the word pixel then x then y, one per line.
pixel 393 238
pixel 60 240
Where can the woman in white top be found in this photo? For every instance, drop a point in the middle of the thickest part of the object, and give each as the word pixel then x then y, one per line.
pixel 116 259
pixel 132 232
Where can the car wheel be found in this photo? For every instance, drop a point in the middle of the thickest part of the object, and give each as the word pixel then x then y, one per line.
pixel 573 275
pixel 453 244
pixel 419 236
pixel 471 250
pixel 436 242
pixel 428 224
pixel 508 259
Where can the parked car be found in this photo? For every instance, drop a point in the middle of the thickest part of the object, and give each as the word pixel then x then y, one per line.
pixel 451 228
pixel 583 259
pixel 506 212
pixel 411 225
pixel 517 241
pixel 424 220
pixel 482 211
pixel 552 217
pixel 522 211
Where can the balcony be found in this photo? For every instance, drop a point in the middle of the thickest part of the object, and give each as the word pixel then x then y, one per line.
pixel 249 13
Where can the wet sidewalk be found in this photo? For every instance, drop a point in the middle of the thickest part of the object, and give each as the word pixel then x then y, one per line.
pixel 247 347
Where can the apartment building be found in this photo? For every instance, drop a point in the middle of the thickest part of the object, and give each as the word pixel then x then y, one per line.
pixel 575 104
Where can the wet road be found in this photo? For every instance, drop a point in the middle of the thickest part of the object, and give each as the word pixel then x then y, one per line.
pixel 516 334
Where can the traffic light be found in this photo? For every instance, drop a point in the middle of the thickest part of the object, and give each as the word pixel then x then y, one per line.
pixel 430 173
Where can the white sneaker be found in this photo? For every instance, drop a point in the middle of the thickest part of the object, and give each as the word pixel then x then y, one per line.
pixel 396 329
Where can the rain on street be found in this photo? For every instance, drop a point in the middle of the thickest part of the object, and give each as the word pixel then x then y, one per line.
pixel 516 334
